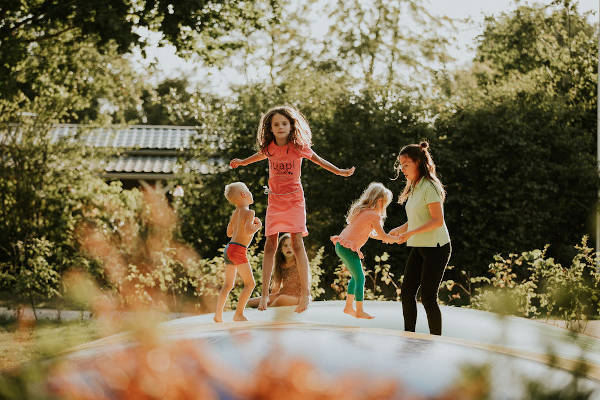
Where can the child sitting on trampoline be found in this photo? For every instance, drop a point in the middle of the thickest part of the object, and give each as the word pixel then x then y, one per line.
pixel 241 229
pixel 286 288
pixel 364 219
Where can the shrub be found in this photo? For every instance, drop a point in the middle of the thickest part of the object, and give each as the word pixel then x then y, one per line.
pixel 533 285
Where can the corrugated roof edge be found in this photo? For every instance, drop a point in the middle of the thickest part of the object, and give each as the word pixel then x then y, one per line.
pixel 133 137
pixel 170 138
pixel 133 126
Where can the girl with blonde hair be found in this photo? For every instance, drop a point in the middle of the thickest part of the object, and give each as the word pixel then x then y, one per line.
pixel 364 219
pixel 284 138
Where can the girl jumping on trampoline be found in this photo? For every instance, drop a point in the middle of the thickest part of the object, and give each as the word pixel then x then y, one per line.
pixel 364 219
pixel 284 138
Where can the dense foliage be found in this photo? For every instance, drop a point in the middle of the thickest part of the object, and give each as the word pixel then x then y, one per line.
pixel 193 26
pixel 513 136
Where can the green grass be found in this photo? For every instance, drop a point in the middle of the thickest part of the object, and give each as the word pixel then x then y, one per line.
pixel 20 344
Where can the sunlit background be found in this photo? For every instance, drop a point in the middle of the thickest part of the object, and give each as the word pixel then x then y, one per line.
pixel 113 220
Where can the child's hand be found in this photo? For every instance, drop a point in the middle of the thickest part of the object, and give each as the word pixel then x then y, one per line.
pixel 395 231
pixel 390 239
pixel 403 237
pixel 347 172
pixel 257 223
pixel 236 162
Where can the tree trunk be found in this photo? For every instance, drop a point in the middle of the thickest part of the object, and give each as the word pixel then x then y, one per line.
pixel 33 307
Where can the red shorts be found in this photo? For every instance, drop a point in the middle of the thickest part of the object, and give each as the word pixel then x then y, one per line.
pixel 235 253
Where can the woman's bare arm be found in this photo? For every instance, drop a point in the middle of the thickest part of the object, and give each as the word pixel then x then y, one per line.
pixel 436 221
pixel 400 229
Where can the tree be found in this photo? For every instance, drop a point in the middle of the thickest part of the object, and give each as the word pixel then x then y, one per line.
pixel 31 278
pixel 551 45
pixel 284 46
pixel 170 103
pixel 38 176
pixel 191 26
pixel 519 137
pixel 371 39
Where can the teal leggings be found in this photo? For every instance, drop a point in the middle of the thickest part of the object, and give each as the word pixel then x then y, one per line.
pixel 350 258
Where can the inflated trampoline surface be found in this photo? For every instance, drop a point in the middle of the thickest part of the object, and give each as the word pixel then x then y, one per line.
pixel 514 350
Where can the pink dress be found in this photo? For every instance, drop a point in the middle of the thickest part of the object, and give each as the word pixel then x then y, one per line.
pixel 286 210
pixel 356 233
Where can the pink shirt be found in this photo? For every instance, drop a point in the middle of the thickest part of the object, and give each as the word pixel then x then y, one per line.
pixel 356 233
pixel 286 210
pixel 285 166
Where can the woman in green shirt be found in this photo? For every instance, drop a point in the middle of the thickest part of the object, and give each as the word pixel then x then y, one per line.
pixel 426 234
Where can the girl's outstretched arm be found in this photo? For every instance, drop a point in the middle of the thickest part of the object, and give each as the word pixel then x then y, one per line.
pixel 323 163
pixel 381 235
pixel 236 162
pixel 401 229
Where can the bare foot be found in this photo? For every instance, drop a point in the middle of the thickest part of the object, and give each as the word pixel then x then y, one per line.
pixel 264 301
pixel 363 315
pixel 239 317
pixel 218 319
pixel 302 304
pixel 350 311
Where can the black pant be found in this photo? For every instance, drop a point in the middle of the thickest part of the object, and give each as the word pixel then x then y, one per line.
pixel 425 267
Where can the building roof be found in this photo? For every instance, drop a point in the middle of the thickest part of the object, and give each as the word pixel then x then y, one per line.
pixel 152 164
pixel 148 151
pixel 156 164
pixel 131 137
pixel 144 151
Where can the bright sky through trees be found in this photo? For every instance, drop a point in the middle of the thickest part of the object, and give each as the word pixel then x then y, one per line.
pixel 165 63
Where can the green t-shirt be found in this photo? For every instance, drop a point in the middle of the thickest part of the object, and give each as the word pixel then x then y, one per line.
pixel 417 212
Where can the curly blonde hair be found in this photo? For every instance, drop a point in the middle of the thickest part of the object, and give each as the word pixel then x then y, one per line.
pixel 300 133
pixel 368 201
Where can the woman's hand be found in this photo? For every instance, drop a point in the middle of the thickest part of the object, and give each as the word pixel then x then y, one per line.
pixel 403 237
pixel 397 231
pixel 346 172
pixel 236 162
pixel 390 239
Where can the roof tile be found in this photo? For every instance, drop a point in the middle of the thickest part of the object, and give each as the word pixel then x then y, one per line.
pixel 155 164
pixel 136 136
